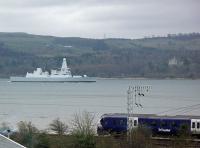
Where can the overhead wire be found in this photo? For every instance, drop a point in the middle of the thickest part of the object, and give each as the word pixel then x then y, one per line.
pixel 179 109
pixel 188 110
pixel 73 105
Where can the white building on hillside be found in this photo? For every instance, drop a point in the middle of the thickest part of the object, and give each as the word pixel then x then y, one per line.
pixel 173 61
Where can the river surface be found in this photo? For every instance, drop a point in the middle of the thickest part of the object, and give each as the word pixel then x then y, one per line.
pixel 41 103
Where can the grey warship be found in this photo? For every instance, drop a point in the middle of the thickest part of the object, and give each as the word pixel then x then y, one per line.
pixel 63 75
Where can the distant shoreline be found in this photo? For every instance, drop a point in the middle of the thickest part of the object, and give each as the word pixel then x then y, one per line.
pixel 131 78
pixel 146 78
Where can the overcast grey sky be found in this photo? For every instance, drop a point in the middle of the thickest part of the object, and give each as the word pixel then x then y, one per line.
pixel 94 18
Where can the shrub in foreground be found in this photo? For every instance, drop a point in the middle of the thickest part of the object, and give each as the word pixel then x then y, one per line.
pixel 83 130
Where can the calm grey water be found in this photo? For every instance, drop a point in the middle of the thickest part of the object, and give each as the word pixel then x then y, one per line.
pixel 40 103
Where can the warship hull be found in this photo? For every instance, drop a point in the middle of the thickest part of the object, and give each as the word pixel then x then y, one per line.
pixel 49 79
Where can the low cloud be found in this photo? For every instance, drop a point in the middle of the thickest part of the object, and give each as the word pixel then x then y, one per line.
pixel 94 18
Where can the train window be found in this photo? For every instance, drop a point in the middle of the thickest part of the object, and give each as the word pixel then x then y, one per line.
pixel 163 124
pixel 174 124
pixel 135 122
pixel 198 125
pixel 114 122
pixel 105 122
pixel 130 122
pixel 153 123
pixel 121 122
pixel 143 123
pixel 193 124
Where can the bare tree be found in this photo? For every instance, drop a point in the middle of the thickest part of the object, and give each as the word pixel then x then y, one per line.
pixel 58 127
pixel 83 123
pixel 27 134
pixel 83 130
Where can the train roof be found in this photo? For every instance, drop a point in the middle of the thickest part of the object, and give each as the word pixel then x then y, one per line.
pixel 120 115
pixel 125 115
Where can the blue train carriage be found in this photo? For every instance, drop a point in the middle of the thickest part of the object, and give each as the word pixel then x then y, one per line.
pixel 120 123
pixel 168 125
pixel 112 123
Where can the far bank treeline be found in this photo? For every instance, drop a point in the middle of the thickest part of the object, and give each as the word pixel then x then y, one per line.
pixel 157 57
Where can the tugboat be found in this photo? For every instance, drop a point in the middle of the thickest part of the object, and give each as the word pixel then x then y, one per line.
pixel 63 75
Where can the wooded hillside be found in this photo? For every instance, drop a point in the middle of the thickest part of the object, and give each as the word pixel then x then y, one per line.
pixel 148 57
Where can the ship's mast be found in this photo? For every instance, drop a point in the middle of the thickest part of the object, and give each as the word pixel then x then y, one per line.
pixel 64 64
pixel 64 68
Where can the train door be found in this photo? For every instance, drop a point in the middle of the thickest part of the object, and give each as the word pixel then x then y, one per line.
pixel 132 122
pixel 198 126
pixel 195 126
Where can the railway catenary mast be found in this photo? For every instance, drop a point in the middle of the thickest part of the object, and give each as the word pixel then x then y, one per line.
pixel 133 99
